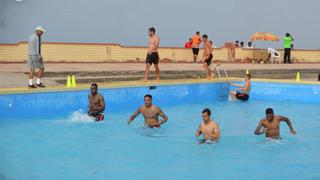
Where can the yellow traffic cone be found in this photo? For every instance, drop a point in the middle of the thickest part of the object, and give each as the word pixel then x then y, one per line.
pixel 247 72
pixel 298 76
pixel 68 82
pixel 73 81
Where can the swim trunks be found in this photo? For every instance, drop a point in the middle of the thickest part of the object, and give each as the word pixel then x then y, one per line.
pixel 242 96
pixel 208 61
pixel 195 51
pixel 97 116
pixel 152 58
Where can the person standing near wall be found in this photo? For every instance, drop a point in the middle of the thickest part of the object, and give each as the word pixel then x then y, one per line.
pixel 196 40
pixel 287 43
pixel 35 60
pixel 153 55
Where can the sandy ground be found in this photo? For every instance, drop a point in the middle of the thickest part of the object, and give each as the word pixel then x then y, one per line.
pixel 13 75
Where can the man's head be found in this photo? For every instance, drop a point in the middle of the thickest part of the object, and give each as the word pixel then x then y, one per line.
pixel 236 43
pixel 205 38
pixel 248 77
pixel 152 31
pixel 198 33
pixel 269 114
pixel 206 113
pixel 211 42
pixel 190 40
pixel 39 30
pixel 241 43
pixel 287 34
pixel 94 88
pixel 147 100
pixel 249 44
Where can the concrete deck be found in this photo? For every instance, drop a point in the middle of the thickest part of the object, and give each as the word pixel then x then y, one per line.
pixel 14 75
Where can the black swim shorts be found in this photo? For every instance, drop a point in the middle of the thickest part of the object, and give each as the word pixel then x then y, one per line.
pixel 152 58
pixel 242 96
pixel 195 51
pixel 209 60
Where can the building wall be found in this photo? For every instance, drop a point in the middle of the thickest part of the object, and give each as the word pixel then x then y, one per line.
pixel 92 52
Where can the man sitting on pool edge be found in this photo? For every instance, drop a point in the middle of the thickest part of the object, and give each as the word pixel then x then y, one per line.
pixel 270 125
pixel 242 92
pixel 150 113
pixel 209 128
pixel 96 103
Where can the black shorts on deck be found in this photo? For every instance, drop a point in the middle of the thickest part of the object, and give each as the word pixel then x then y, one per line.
pixel 195 51
pixel 209 60
pixel 152 58
pixel 242 96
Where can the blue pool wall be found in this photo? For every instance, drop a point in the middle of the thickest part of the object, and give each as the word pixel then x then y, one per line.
pixel 123 100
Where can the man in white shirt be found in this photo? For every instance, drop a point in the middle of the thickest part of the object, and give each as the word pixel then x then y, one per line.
pixel 35 60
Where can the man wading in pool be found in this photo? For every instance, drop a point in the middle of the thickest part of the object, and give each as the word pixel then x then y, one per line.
pixel 208 127
pixel 270 125
pixel 153 55
pixel 150 113
pixel 96 103
pixel 242 92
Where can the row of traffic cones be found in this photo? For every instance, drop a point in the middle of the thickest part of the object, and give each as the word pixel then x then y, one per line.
pixel 71 82
pixel 297 76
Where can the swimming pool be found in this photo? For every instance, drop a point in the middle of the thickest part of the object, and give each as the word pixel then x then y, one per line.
pixel 48 136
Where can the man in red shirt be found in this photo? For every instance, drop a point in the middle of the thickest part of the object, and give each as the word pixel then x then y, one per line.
pixel 188 44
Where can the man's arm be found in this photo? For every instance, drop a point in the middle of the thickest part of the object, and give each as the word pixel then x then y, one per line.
pixel 287 120
pixel 157 42
pixel 102 104
pixel 164 117
pixel 258 129
pixel 237 85
pixel 134 115
pixel 199 132
pixel 216 132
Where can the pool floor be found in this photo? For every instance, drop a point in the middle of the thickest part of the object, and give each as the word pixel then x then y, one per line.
pixel 75 148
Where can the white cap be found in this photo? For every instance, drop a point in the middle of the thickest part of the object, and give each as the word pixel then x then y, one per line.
pixel 40 28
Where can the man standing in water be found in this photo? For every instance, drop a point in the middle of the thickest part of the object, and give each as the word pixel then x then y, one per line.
pixel 35 60
pixel 270 125
pixel 207 55
pixel 196 40
pixel 153 55
pixel 208 127
pixel 96 103
pixel 242 93
pixel 150 113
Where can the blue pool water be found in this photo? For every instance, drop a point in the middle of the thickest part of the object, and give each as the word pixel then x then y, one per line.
pixel 48 136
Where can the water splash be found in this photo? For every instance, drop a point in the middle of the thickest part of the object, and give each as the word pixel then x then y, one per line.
pixel 80 116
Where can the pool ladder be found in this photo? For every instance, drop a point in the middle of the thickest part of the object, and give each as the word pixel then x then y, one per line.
pixel 224 89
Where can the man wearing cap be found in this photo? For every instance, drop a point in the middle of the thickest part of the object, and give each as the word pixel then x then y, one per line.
pixel 35 60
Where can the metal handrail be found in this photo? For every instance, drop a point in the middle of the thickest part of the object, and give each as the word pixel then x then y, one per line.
pixel 218 71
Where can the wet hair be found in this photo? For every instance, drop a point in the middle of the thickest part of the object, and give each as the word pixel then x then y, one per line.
pixel 205 36
pixel 95 84
pixel 148 95
pixel 152 29
pixel 207 110
pixel 269 111
pixel 197 32
pixel 249 76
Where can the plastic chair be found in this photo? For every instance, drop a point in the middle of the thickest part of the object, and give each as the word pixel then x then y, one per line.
pixel 274 56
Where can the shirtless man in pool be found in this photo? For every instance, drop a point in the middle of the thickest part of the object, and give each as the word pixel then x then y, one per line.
pixel 270 125
pixel 150 113
pixel 242 93
pixel 208 127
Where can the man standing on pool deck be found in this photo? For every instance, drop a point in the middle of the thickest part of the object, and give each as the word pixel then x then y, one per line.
pixel 96 103
pixel 153 55
pixel 207 55
pixel 208 127
pixel 150 113
pixel 196 40
pixel 35 60
pixel 270 125
pixel 287 43
pixel 242 92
